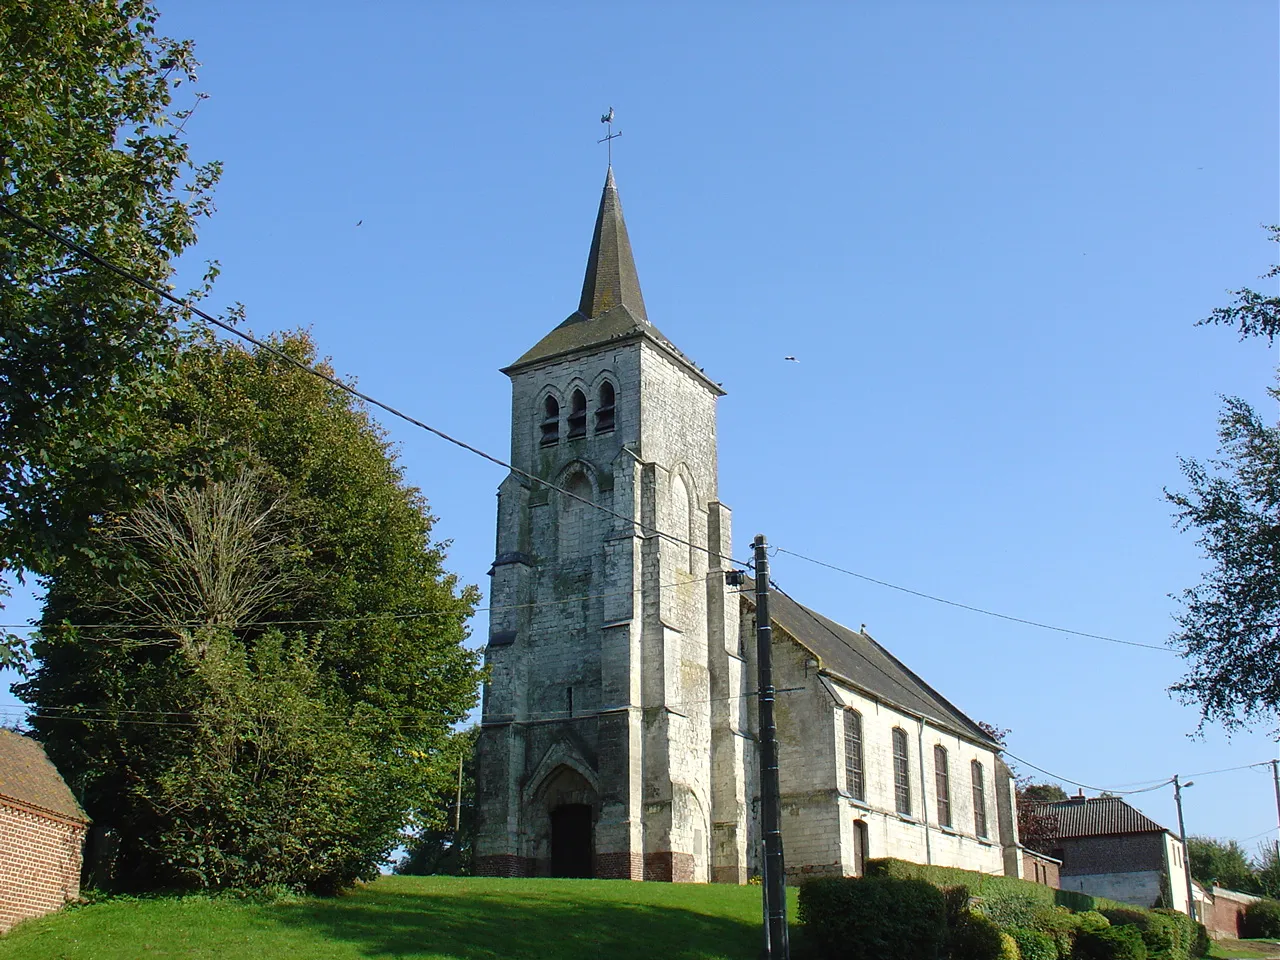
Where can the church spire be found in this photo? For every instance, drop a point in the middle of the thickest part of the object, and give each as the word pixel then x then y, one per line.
pixel 611 279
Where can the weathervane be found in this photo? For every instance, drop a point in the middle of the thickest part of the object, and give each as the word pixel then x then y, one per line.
pixel 609 137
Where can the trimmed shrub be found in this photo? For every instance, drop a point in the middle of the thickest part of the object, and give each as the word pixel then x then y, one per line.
pixel 1110 943
pixel 1200 948
pixel 873 918
pixel 1059 924
pixel 976 938
pixel 1090 922
pixel 1034 945
pixel 1010 908
pixel 1261 919
pixel 1009 947
pixel 1074 901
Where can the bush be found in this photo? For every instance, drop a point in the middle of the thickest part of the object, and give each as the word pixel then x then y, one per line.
pixel 1012 909
pixel 1261 919
pixel 1090 922
pixel 1009 947
pixel 1110 943
pixel 1059 924
pixel 1034 945
pixel 1200 948
pixel 976 938
pixel 873 918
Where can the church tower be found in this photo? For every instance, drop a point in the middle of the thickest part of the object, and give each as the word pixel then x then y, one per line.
pixel 614 740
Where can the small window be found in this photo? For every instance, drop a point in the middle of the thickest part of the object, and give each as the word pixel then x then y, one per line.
pixel 604 412
pixel 942 781
pixel 577 415
pixel 853 778
pixel 901 772
pixel 979 800
pixel 550 421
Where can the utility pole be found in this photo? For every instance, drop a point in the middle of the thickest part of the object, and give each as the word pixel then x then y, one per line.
pixel 1275 775
pixel 457 807
pixel 776 943
pixel 1182 832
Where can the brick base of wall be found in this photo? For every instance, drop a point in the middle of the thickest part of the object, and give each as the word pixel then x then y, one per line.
pixel 620 866
pixel 39 863
pixel 669 866
pixel 737 875
pixel 504 865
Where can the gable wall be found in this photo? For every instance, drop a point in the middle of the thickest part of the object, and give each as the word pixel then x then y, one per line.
pixel 39 863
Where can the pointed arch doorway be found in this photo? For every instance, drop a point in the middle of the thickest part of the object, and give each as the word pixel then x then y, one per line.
pixel 571 841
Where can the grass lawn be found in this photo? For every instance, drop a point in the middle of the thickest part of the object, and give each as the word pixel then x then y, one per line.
pixel 416 917
pixel 1245 949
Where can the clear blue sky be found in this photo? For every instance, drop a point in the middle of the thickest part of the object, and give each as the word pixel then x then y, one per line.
pixel 985 229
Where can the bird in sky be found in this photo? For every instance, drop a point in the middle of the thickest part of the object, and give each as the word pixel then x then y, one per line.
pixel 358 222
pixel 792 359
pixel 608 117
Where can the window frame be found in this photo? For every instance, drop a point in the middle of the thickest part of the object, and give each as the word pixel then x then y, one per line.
pixel 901 772
pixel 577 419
pixel 942 784
pixel 855 768
pixel 978 775
pixel 549 425
pixel 606 413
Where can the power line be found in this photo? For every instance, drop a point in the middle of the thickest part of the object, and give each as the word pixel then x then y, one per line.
pixel 359 619
pixel 973 609
pixel 146 284
pixel 110 715
pixel 1086 786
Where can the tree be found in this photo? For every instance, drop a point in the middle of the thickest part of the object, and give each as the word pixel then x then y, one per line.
pixel 1222 862
pixel 92 147
pixel 1267 870
pixel 1229 624
pixel 442 834
pixel 1042 792
pixel 278 655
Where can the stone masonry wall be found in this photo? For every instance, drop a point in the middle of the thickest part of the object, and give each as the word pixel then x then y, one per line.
pixel 818 809
pixel 39 863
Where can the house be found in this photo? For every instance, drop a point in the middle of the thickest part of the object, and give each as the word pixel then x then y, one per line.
pixel 42 831
pixel 618 735
pixel 1109 849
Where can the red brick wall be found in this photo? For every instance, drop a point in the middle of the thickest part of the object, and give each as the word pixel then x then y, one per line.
pixel 39 863
pixel 1040 870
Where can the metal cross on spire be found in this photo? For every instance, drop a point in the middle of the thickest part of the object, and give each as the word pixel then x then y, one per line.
pixel 610 136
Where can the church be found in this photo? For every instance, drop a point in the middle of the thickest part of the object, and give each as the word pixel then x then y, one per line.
pixel 618 734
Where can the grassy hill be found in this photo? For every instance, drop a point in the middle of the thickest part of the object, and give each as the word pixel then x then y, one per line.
pixel 423 918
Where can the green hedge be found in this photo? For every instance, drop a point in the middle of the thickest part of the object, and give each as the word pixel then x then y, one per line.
pixel 989 885
pixel 1034 945
pixel 873 918
pixel 1261 919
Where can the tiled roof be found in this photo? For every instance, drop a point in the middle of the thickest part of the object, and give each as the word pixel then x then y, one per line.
pixel 1096 817
pixel 27 776
pixel 856 657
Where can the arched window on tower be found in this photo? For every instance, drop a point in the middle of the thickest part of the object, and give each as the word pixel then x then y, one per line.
pixel 550 421
pixel 605 411
pixel 577 415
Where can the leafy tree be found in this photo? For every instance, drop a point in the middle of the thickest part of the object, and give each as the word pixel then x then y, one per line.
pixel 91 145
pixel 441 840
pixel 1041 792
pixel 279 658
pixel 1221 862
pixel 1229 625
pixel 1268 870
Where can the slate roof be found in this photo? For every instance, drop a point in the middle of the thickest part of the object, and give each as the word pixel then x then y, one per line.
pixel 611 308
pixel 1096 817
pixel 855 657
pixel 27 776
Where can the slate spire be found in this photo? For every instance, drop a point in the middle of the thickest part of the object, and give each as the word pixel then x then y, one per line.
pixel 611 279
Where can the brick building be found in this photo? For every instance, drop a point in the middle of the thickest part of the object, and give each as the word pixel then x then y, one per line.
pixel 1109 849
pixel 42 832
pixel 618 729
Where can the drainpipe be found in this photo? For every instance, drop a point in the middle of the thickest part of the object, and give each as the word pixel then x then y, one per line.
pixel 924 802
